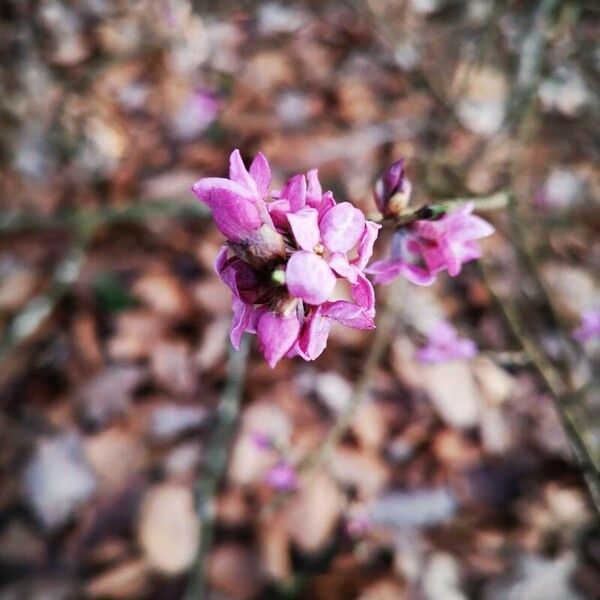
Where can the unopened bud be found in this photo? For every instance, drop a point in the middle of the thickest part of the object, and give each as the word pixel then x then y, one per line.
pixel 392 190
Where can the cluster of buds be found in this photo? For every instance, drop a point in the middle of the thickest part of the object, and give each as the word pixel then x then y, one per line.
pixel 427 241
pixel 285 254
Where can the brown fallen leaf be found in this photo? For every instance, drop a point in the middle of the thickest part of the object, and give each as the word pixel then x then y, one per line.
pixel 168 528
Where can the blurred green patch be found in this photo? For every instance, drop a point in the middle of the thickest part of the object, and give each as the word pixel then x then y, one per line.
pixel 111 293
pixel 216 132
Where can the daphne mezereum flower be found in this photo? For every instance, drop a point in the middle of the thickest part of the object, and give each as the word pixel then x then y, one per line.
pixel 426 247
pixel 589 328
pixel 443 344
pixel 284 255
pixel 197 112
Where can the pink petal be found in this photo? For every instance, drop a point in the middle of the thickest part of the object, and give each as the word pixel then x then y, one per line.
pixel 295 192
pixel 339 263
pixel 239 173
pixel 417 275
pixel 261 173
pixel 309 277
pixel 277 334
pixel 341 227
pixel 451 260
pixel 385 271
pixel 279 209
pixel 241 317
pixel 314 191
pixel 221 259
pixel 313 338
pixel 241 279
pixel 467 251
pixel 365 245
pixel 327 202
pixel 348 314
pixel 363 293
pixel 305 227
pixel 235 213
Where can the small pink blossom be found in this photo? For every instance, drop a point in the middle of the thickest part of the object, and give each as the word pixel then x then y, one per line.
pixel 443 344
pixel 197 112
pixel 282 477
pixel 427 247
pixel 285 253
pixel 357 526
pixel 589 328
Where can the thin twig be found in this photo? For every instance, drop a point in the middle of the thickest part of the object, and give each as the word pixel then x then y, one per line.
pixel 81 225
pixel 386 320
pixel 84 219
pixel 563 398
pixel 380 342
pixel 38 309
pixel 481 204
pixel 215 463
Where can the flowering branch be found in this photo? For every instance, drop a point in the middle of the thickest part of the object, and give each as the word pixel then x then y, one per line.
pixel 492 202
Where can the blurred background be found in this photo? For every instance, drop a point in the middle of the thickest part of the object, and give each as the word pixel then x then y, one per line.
pixel 454 480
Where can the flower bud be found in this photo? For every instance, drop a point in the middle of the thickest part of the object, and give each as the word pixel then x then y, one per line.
pixel 392 190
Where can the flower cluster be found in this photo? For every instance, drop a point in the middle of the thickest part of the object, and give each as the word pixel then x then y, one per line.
pixel 285 254
pixel 426 247
pixel 421 249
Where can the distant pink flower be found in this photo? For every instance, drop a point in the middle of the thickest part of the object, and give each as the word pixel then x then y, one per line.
pixel 284 256
pixel 443 344
pixel 358 526
pixel 282 477
pixel 261 440
pixel 589 328
pixel 197 112
pixel 427 247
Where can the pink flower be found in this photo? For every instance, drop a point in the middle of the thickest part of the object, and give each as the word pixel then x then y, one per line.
pixel 443 344
pixel 284 257
pixel 358 526
pixel 282 477
pixel 198 111
pixel 261 440
pixel 589 328
pixel 425 248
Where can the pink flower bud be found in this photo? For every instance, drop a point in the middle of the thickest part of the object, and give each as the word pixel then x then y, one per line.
pixel 392 190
